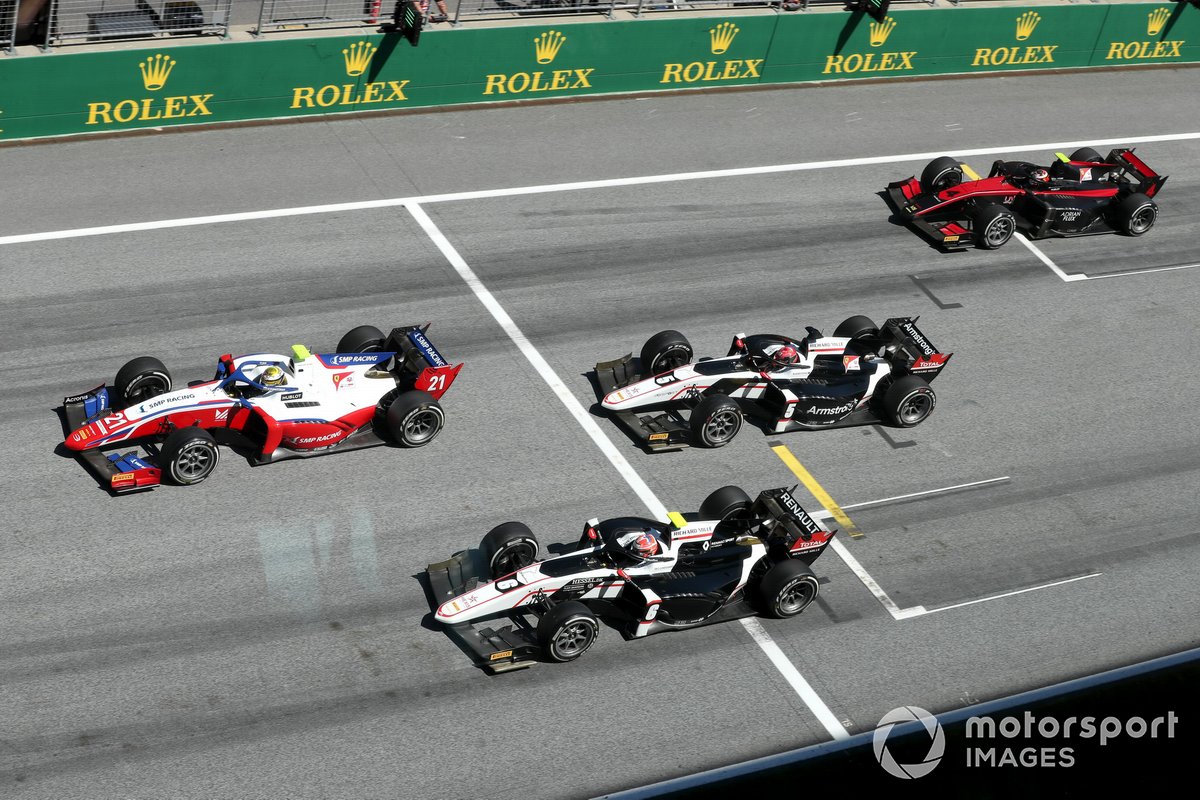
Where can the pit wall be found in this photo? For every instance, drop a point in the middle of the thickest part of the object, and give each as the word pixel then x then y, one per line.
pixel 93 92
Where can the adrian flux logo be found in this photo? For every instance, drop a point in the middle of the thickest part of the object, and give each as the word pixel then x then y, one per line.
pixel 898 716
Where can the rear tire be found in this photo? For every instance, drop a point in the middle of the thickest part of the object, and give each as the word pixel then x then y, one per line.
pixel 188 456
pixel 509 547
pixel 909 401
pixel 724 502
pixel 664 352
pixel 1135 214
pixel 566 631
pixel 994 226
pixel 1087 154
pixel 788 588
pixel 856 327
pixel 941 173
pixel 363 339
pixel 140 379
pixel 715 420
pixel 413 418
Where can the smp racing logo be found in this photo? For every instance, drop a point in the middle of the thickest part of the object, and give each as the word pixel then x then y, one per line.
pixel 546 46
pixel 356 58
pixel 1156 21
pixel 720 39
pixel 1014 55
pixel 873 61
pixel 155 71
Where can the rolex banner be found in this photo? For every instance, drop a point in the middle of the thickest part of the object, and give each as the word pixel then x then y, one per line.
pixel 158 85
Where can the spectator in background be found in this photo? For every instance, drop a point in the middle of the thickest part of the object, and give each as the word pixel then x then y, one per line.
pixel 442 14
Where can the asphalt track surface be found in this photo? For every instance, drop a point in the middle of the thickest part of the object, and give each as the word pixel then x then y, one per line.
pixel 262 634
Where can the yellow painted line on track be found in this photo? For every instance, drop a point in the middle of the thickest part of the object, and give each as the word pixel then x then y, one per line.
pixel 970 173
pixel 785 455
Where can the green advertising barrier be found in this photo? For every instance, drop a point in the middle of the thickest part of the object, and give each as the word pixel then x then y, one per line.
pixel 66 93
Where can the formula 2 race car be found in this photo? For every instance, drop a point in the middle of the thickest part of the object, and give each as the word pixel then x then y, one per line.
pixel 1077 196
pixel 373 390
pixel 733 558
pixel 860 375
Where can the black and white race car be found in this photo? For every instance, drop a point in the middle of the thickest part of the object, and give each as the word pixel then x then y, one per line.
pixel 862 374
pixel 731 559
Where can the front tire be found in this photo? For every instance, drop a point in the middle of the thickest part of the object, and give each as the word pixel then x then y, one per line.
pixel 1136 214
pixel 788 588
pixel 566 631
pixel 724 502
pixel 715 420
pixel 413 418
pixel 363 339
pixel 909 401
pixel 188 456
pixel 140 379
pixel 994 226
pixel 508 548
pixel 941 173
pixel 664 352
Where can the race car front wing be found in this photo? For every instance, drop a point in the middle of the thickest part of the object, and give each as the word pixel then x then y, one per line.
pixel 119 472
pixel 667 430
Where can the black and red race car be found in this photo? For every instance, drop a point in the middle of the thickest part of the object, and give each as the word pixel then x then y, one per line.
pixel 1077 196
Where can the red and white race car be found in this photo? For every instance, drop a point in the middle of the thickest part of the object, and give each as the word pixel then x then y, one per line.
pixel 375 389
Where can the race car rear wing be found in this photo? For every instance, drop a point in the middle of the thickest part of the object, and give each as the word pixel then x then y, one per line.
pixel 418 358
pixel 911 351
pixel 1148 181
pixel 804 537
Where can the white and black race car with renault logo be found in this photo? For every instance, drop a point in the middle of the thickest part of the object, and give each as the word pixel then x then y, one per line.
pixel 733 558
pixel 862 374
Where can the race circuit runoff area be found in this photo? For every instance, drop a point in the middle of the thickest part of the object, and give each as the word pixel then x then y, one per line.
pixel 783 458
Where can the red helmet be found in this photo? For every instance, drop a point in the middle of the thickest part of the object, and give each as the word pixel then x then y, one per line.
pixel 1039 175
pixel 644 546
pixel 787 355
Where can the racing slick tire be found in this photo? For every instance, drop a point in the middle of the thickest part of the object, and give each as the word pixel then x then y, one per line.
pixel 566 631
pixel 1087 154
pixel 994 226
pixel 909 401
pixel 724 502
pixel 788 588
pixel 508 547
pixel 188 456
pixel 363 339
pixel 140 379
pixel 715 420
pixel 665 351
pixel 941 173
pixel 413 418
pixel 856 327
pixel 1135 214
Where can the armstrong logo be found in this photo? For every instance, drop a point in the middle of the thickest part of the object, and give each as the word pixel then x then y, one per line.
pixel 720 39
pixel 872 62
pixel 833 411
pixel 155 72
pixel 1156 20
pixel 1013 55
pixel 918 339
pixel 546 47
pixel 357 57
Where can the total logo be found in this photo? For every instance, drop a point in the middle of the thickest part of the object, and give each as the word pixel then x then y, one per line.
pixel 1014 55
pixel 890 61
pixel 1156 25
pixel 155 72
pixel 546 47
pixel 356 58
pixel 720 39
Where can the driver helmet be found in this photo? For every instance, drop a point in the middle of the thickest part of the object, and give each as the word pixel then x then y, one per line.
pixel 1039 175
pixel 786 355
pixel 272 376
pixel 644 546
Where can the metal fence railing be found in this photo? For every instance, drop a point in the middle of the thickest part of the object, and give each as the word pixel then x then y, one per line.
pixel 282 14
pixel 111 20
pixel 8 24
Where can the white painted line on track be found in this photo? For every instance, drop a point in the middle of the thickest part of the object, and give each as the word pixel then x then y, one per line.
pixel 1045 259
pixel 892 608
pixel 1010 594
pixel 656 507
pixel 1140 271
pixel 483 194
pixel 930 492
